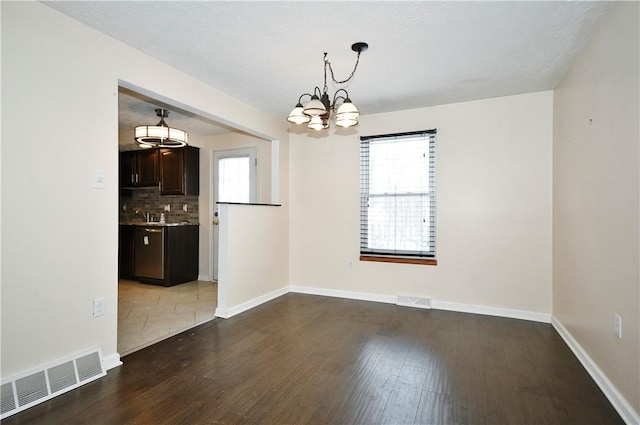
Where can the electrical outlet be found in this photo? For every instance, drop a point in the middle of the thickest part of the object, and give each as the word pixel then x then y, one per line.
pixel 98 307
pixel 617 325
pixel 185 208
pixel 167 207
pixel 350 265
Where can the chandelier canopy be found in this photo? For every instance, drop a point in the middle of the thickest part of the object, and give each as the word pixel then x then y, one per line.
pixel 317 111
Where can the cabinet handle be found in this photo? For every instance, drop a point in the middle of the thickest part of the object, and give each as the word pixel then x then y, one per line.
pixel 133 177
pixel 160 186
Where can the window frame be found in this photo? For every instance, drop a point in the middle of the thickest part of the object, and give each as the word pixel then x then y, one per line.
pixel 395 255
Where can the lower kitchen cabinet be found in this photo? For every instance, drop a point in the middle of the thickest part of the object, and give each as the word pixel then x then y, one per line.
pixel 125 252
pixel 161 255
pixel 181 252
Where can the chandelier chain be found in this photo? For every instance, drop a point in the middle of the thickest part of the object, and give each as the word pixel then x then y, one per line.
pixel 333 77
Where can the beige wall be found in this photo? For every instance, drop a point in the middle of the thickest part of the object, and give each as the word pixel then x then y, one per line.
pixel 493 207
pixel 251 270
pixel 208 147
pixel 494 170
pixel 596 196
pixel 59 123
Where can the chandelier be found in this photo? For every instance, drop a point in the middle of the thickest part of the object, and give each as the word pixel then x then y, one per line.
pixel 316 112
pixel 160 135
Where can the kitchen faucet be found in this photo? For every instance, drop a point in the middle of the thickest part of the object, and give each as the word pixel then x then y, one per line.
pixel 147 216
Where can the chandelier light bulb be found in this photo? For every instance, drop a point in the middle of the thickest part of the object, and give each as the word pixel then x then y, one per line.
pixel 297 116
pixel 346 122
pixel 314 107
pixel 316 123
pixel 347 110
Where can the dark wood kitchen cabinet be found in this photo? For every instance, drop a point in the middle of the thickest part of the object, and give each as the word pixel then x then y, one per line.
pixel 139 168
pixel 178 258
pixel 181 253
pixel 126 252
pixel 180 171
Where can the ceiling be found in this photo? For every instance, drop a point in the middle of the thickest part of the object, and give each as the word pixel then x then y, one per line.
pixel 421 53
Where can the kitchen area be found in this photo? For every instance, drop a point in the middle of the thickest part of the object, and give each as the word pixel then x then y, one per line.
pixel 159 294
pixel 168 241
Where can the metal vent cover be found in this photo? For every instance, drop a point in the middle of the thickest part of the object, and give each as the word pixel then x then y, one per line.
pixel 41 384
pixel 412 301
pixel 89 366
pixel 62 376
pixel 31 388
pixel 8 399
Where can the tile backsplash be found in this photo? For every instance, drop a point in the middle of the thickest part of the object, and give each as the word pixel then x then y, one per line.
pixel 150 201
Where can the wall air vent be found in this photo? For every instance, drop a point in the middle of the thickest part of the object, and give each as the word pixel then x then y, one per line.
pixel 411 301
pixel 38 385
pixel 8 398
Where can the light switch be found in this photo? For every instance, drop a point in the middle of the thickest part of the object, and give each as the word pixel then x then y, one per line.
pixel 99 179
pixel 98 307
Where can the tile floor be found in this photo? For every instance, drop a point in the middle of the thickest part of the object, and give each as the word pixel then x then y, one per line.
pixel 149 313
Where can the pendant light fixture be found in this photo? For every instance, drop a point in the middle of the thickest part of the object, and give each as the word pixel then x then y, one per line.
pixel 160 135
pixel 317 111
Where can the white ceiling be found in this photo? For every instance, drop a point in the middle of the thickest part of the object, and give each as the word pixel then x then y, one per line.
pixel 421 53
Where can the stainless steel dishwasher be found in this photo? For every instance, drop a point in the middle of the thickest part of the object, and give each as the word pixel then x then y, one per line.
pixel 149 252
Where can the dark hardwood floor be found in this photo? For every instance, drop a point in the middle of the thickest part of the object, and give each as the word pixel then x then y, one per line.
pixel 303 359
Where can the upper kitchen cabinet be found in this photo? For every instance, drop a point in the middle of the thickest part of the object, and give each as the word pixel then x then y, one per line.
pixel 180 171
pixel 139 168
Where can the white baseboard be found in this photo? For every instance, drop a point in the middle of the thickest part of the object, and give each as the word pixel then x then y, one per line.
pixel 622 406
pixel 111 361
pixel 435 304
pixel 361 296
pixel 204 278
pixel 491 311
pixel 240 308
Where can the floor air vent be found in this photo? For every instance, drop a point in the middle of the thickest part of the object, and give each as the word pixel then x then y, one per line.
pixel 411 301
pixel 38 385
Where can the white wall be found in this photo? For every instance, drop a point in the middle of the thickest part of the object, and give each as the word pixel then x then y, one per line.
pixel 59 123
pixel 493 171
pixel 596 200
pixel 251 269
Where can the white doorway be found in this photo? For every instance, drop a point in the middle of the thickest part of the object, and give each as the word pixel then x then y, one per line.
pixel 234 180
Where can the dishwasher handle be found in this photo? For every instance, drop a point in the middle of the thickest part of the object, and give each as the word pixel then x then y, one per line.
pixel 148 230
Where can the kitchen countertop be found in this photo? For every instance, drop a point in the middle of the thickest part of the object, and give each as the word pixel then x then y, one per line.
pixel 157 224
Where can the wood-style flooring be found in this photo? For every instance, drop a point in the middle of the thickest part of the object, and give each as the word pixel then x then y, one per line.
pixel 304 359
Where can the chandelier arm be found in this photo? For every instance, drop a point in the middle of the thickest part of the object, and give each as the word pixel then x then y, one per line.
pixel 302 95
pixel 337 97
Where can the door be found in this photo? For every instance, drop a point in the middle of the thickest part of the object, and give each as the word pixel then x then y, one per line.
pixel 234 180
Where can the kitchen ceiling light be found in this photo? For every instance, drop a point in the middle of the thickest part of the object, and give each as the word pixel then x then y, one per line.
pixel 316 112
pixel 160 135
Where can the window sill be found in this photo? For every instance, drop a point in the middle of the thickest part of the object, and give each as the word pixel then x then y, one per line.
pixel 402 260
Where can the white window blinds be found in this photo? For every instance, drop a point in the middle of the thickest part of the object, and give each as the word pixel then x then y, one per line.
pixel 397 186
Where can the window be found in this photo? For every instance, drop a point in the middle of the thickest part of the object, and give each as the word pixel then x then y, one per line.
pixel 397 197
pixel 236 175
